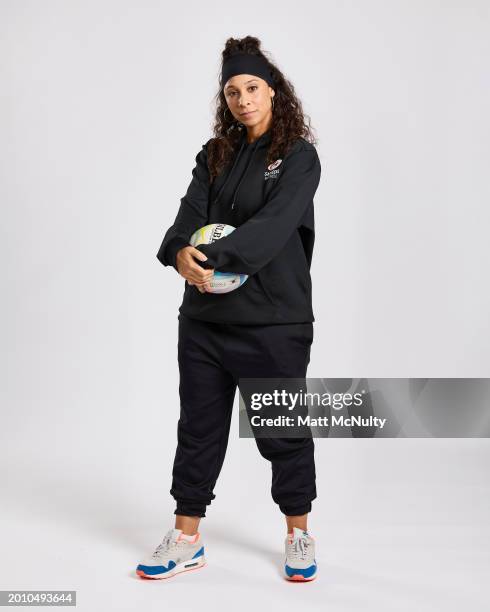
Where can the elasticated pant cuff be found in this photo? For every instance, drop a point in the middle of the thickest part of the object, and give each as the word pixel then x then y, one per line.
pixel 295 510
pixel 191 510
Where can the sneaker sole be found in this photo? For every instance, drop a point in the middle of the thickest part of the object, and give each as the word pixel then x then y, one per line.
pixel 299 578
pixel 186 566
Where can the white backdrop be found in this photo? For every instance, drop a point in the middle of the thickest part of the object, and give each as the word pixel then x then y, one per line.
pixel 104 106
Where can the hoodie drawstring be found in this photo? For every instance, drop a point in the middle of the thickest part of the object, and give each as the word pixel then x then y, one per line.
pixel 231 172
pixel 235 193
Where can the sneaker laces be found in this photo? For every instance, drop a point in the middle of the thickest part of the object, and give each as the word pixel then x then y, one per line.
pixel 165 544
pixel 300 545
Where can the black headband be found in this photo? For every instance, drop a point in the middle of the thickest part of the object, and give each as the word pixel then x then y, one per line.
pixel 246 63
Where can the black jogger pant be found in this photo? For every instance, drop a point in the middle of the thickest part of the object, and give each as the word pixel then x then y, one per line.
pixel 212 357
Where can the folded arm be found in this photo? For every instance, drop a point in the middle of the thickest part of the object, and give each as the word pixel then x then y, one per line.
pixel 192 213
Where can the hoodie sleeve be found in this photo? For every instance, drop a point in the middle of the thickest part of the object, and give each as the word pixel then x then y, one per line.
pixel 254 243
pixel 192 213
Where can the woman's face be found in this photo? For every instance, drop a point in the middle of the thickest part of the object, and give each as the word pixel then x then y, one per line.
pixel 249 99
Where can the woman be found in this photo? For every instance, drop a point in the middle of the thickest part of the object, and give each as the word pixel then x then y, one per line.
pixel 259 174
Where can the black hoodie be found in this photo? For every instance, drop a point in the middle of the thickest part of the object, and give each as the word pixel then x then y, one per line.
pixel 272 209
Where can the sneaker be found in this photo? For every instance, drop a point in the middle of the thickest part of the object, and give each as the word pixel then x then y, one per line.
pixel 174 555
pixel 300 561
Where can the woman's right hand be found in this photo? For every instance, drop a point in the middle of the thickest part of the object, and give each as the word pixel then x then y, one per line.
pixel 190 270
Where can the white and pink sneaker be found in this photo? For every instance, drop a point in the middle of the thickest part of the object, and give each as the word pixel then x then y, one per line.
pixel 177 553
pixel 300 564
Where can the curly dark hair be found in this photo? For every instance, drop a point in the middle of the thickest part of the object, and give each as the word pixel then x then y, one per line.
pixel 288 119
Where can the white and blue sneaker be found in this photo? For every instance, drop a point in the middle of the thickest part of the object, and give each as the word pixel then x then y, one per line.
pixel 175 554
pixel 300 564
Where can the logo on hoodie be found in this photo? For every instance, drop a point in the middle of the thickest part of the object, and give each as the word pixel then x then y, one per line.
pixel 272 170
